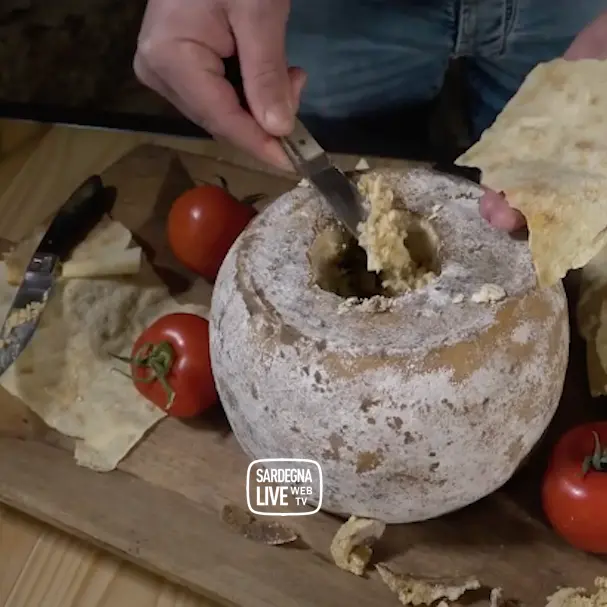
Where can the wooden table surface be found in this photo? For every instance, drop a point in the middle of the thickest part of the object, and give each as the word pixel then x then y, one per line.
pixel 40 566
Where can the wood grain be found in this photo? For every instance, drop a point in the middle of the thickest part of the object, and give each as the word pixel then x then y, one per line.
pixel 15 135
pixel 32 553
pixel 51 172
pixel 42 566
pixel 161 509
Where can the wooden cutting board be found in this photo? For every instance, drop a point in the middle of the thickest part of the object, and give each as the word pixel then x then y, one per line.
pixel 161 509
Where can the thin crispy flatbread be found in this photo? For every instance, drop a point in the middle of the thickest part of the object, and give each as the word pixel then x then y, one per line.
pixel 67 374
pixel 547 151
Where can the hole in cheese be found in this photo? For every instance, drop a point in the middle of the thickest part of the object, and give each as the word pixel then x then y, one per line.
pixel 397 251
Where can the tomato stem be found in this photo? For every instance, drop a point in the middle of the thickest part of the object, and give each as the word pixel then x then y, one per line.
pixel 157 359
pixel 598 460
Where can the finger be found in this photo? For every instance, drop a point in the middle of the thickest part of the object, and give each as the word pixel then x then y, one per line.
pixel 578 51
pixel 488 203
pixel 260 32
pixel 484 210
pixel 147 77
pixel 506 218
pixel 495 209
pixel 193 77
pixel 590 42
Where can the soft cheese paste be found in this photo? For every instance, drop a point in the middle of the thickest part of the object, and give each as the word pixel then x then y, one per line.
pixel 383 236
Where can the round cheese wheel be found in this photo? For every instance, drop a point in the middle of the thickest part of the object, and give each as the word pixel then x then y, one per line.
pixel 416 409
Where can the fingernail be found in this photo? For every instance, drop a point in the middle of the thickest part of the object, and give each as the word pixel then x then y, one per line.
pixel 278 118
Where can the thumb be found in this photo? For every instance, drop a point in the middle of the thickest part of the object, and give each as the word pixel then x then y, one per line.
pixel 260 40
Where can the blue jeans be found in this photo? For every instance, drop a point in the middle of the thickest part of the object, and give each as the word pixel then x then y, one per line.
pixel 369 56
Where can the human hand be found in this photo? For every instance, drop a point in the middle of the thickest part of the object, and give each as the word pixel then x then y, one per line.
pixel 590 43
pixel 179 55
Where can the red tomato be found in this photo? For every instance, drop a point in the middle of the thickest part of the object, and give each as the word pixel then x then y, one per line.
pixel 203 224
pixel 171 365
pixel 574 491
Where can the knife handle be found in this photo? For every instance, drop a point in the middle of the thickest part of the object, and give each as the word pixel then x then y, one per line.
pixel 76 218
pixel 301 148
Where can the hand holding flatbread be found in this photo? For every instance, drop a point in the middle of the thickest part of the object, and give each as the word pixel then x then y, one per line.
pixel 547 151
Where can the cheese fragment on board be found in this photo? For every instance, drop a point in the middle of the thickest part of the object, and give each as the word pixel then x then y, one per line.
pixel 351 545
pixel 66 374
pixel 580 597
pixel 108 263
pixel 496 597
pixel 425 591
pixel 103 253
pixel 268 532
pixel 547 152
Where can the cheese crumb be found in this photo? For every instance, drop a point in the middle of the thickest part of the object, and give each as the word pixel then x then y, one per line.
pixel 580 597
pixel 425 591
pixel 351 546
pixel 458 298
pixel 375 304
pixel 489 293
pixel 362 165
pixel 20 316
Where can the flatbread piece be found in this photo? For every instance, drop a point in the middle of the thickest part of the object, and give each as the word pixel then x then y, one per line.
pixel 67 375
pixel 547 152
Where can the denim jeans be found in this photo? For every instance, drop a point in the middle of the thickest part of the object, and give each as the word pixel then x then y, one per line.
pixel 368 56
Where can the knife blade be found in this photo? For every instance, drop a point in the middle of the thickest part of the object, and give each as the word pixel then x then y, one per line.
pixel 70 226
pixel 313 163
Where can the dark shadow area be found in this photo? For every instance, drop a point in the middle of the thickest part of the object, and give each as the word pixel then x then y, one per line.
pixel 214 420
pixel 151 236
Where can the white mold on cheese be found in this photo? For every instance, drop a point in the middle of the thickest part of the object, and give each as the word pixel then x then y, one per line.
pixel 412 412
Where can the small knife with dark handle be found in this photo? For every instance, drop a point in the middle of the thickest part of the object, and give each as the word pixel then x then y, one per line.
pixel 70 226
pixel 313 163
